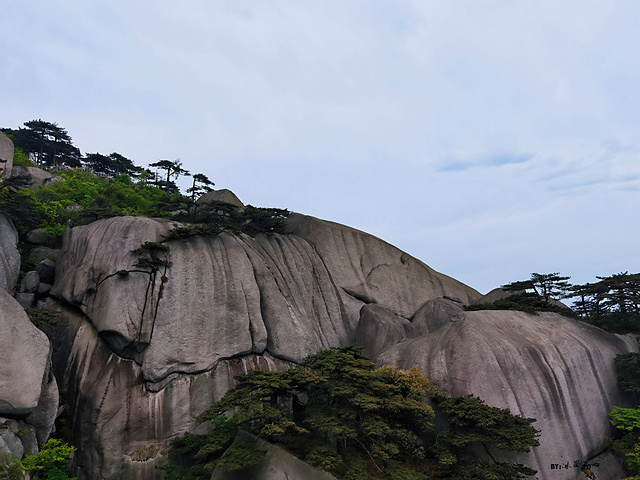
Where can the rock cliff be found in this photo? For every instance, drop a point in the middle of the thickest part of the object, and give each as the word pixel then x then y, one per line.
pixel 148 338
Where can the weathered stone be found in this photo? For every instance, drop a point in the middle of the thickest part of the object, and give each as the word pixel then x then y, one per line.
pixel 124 429
pixel 9 255
pixel 25 299
pixel 552 368
pixel 43 253
pixel 223 195
pixel 379 328
pixel 164 348
pixel 233 294
pixel 437 313
pixel 44 288
pixel 25 354
pixel 33 176
pixel 44 416
pixel 10 442
pixel 28 438
pixel 373 269
pixel 495 294
pixel 47 271
pixel 30 282
pixel 39 236
pixel 6 155
pixel 277 464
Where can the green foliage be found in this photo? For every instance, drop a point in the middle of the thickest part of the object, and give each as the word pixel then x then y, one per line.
pixel 50 462
pixel 503 304
pixel 477 470
pixel 10 468
pixel 193 456
pixel 543 286
pixel 627 420
pixel 216 217
pixel 612 303
pixel 242 453
pixel 339 412
pixel 263 220
pixel 21 159
pixel 474 422
pixel 628 368
pixel 43 316
pixel 48 142
pixel 82 198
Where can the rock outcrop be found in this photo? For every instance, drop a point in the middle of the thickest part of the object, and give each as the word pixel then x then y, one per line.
pixel 223 195
pixel 546 366
pixel 32 176
pixel 25 357
pixel 9 254
pixel 6 155
pixel 144 349
pixel 28 392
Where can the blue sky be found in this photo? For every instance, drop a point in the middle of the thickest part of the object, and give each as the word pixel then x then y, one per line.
pixel 488 139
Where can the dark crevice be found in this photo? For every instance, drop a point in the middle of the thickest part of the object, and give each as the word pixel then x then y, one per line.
pixel 358 296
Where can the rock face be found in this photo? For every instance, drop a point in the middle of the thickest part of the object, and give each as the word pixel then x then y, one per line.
pixel 122 423
pixel 546 366
pixel 9 255
pixel 25 357
pixel 6 155
pixel 145 350
pixel 28 392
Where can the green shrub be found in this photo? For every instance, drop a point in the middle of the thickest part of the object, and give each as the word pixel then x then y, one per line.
pixel 21 159
pixel 50 462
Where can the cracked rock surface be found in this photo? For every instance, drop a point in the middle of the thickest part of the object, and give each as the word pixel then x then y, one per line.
pixel 142 354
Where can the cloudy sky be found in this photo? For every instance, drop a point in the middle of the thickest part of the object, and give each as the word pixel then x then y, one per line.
pixel 490 139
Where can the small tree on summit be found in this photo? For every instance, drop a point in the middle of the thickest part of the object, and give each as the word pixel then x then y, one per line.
pixel 204 187
pixel 544 286
pixel 174 169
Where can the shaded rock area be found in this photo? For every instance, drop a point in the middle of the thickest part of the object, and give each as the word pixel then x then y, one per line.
pixel 32 176
pixel 546 366
pixel 122 423
pixel 29 396
pixel 9 254
pixel 25 359
pixel 275 465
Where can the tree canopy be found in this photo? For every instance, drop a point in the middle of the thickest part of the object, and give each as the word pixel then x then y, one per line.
pixel 341 413
pixel 49 143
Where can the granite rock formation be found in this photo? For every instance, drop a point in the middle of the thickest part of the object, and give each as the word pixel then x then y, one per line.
pixel 6 155
pixel 9 254
pixel 141 351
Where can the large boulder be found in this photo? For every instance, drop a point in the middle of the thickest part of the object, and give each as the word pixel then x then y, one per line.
pixel 368 269
pixel 9 254
pixel 6 155
pixel 32 176
pixel 223 195
pixel 546 366
pixel 25 360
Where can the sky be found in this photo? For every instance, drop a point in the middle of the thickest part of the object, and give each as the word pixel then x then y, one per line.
pixel 489 139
